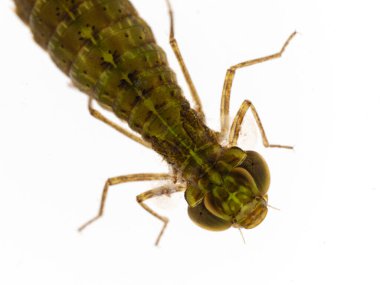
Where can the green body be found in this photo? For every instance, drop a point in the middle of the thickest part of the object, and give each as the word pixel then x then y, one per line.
pixel 110 53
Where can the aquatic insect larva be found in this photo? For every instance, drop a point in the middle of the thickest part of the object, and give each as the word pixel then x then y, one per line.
pixel 110 54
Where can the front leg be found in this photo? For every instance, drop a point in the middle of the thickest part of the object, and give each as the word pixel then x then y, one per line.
pixel 238 120
pixel 159 191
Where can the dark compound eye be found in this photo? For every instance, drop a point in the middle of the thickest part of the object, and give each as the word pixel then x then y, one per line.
pixel 255 164
pixel 205 219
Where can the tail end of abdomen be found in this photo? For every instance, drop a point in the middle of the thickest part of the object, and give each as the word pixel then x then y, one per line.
pixel 24 9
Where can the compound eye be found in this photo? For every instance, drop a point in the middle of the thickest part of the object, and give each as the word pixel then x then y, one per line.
pixel 255 164
pixel 205 219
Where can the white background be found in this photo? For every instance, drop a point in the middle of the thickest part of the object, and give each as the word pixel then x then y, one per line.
pixel 322 96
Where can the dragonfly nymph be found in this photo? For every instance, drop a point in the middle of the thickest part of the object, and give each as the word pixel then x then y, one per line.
pixel 110 53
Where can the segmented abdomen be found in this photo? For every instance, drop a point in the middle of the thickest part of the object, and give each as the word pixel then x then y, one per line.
pixel 110 53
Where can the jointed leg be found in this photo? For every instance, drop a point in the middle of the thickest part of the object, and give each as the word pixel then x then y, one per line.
pixel 163 190
pixel 120 180
pixel 100 117
pixel 238 120
pixel 177 52
pixel 226 93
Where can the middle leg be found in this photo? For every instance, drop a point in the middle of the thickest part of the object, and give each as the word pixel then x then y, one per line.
pixel 230 75
pixel 119 180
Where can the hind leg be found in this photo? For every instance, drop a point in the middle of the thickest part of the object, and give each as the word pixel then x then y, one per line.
pixel 177 52
pixel 96 114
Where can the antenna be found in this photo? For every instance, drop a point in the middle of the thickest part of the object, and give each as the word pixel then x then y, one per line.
pixel 242 236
